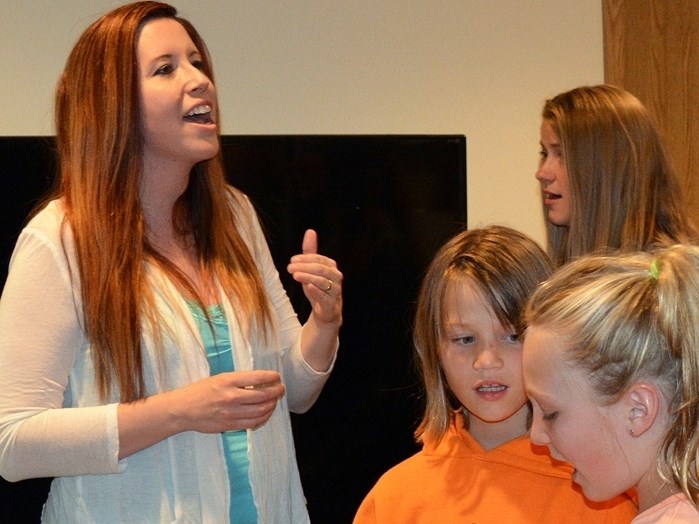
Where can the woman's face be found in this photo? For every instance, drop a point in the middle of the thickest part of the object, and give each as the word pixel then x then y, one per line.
pixel 553 176
pixel 571 421
pixel 177 98
pixel 482 363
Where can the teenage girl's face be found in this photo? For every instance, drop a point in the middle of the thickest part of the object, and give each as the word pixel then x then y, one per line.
pixel 553 176
pixel 571 421
pixel 482 363
pixel 177 98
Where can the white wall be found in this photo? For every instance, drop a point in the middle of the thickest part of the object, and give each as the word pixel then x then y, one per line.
pixel 481 68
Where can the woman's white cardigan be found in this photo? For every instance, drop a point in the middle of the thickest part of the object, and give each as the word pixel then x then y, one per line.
pixel 52 423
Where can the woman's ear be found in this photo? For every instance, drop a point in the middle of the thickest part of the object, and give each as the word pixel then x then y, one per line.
pixel 643 401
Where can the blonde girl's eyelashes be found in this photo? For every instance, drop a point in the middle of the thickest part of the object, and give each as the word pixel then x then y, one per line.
pixel 549 417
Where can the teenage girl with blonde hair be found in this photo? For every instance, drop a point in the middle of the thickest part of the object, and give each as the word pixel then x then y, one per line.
pixel 606 179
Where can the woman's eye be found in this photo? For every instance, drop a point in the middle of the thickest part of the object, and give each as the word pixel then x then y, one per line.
pixel 467 339
pixel 199 64
pixel 512 337
pixel 543 155
pixel 164 69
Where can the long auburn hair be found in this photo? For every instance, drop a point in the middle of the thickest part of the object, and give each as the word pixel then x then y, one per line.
pixel 100 146
pixel 630 318
pixel 625 195
pixel 506 266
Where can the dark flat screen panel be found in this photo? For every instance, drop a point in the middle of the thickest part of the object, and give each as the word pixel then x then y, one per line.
pixel 27 170
pixel 382 206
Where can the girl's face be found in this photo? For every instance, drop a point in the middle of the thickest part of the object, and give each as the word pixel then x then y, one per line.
pixel 482 363
pixel 571 421
pixel 177 98
pixel 553 176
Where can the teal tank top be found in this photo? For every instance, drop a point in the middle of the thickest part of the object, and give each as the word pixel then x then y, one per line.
pixel 217 343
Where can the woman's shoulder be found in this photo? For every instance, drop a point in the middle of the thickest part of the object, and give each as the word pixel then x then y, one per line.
pixel 244 211
pixel 236 197
pixel 52 211
pixel 49 221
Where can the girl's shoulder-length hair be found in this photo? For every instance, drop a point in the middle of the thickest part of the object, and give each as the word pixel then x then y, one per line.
pixel 505 266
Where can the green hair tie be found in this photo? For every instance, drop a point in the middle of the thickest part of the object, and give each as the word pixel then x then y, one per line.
pixel 654 270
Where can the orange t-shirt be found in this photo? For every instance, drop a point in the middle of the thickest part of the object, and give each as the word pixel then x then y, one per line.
pixel 457 481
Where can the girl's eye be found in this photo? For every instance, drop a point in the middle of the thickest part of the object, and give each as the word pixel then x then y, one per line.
pixel 550 417
pixel 543 155
pixel 512 337
pixel 199 64
pixel 465 340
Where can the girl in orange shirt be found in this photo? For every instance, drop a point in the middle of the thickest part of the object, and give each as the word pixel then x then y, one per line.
pixel 477 464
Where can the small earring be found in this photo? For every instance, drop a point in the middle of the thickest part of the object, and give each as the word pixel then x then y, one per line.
pixel 631 431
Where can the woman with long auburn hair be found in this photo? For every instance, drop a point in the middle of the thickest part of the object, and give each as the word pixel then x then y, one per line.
pixel 149 355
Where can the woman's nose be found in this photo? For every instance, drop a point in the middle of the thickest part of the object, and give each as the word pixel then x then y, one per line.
pixel 199 82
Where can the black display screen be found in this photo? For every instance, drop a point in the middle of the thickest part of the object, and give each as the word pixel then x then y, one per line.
pixel 382 205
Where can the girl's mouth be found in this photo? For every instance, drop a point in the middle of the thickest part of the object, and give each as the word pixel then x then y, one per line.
pixel 491 391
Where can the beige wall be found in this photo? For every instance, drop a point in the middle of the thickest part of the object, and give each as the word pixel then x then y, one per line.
pixel 481 68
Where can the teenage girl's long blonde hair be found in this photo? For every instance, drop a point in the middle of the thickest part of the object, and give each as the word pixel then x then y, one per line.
pixel 625 195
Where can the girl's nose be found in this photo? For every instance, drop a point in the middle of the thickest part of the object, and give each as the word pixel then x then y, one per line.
pixel 537 432
pixel 487 358
pixel 542 174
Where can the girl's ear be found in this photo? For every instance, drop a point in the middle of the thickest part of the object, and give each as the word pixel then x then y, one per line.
pixel 643 402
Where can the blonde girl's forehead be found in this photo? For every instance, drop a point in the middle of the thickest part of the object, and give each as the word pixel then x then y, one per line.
pixel 547 367
pixel 543 349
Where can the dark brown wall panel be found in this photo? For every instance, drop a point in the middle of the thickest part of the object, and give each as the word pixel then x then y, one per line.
pixel 651 48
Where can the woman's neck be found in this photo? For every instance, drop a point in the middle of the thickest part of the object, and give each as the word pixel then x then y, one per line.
pixel 162 185
pixel 176 247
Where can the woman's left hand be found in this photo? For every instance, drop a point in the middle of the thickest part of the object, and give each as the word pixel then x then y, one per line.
pixel 322 281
